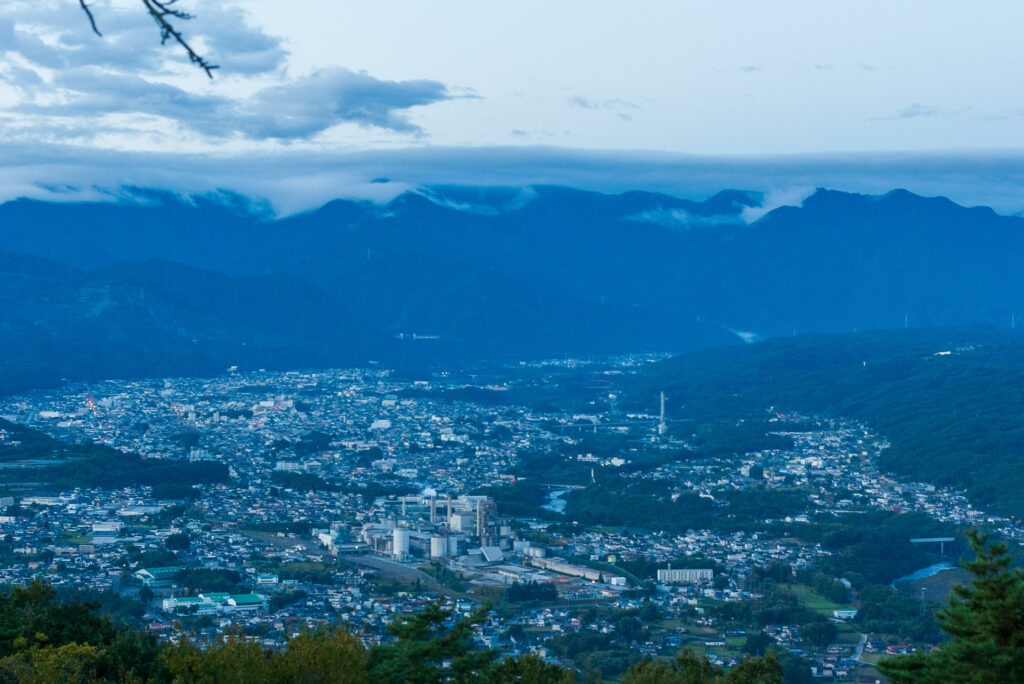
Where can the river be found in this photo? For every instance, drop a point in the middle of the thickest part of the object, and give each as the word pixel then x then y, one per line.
pixel 556 501
pixel 925 572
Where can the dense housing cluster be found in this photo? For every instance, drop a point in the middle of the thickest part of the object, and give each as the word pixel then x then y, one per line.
pixel 355 497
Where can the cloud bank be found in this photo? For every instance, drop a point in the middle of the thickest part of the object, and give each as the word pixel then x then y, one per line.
pixel 295 181
pixel 69 85
pixel 299 109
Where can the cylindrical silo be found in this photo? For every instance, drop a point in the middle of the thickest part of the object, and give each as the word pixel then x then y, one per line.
pixel 400 545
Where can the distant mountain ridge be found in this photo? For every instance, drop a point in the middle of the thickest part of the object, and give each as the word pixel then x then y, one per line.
pixel 508 272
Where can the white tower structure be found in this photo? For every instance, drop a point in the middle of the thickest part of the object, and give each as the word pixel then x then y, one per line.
pixel 400 545
pixel 662 427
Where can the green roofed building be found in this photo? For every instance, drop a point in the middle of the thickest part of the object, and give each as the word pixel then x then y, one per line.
pixel 218 598
pixel 157 577
pixel 209 603
pixel 246 602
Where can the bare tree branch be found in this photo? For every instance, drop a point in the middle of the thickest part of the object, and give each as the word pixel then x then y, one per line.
pixel 92 19
pixel 163 13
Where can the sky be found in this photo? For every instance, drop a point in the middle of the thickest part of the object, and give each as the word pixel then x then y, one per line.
pixel 315 99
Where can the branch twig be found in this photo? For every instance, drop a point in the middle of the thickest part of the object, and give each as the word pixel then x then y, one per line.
pixel 92 19
pixel 163 13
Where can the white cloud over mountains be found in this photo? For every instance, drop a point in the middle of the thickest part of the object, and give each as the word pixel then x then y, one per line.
pixel 64 83
pixel 300 180
pixel 55 34
pixel 299 109
pixel 298 120
pixel 313 103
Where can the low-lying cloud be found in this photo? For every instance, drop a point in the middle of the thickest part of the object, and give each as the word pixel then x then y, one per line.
pixel 300 180
pixel 682 220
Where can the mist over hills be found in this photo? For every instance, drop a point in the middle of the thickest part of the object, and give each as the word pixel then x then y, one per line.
pixel 193 286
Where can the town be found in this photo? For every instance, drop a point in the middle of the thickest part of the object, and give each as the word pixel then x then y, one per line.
pixel 355 496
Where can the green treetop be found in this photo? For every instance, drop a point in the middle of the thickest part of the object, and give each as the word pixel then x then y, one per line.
pixel 985 621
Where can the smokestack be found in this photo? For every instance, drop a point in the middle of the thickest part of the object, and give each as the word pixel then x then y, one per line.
pixel 662 427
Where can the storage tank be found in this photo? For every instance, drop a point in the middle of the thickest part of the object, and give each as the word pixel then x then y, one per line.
pixel 453 546
pixel 438 547
pixel 400 545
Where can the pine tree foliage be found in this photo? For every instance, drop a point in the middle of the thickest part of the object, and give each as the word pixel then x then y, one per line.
pixel 43 639
pixel 688 668
pixel 985 621
pixel 427 651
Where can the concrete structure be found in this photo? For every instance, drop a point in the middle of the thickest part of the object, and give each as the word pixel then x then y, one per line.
pixel 492 554
pixel 685 575
pixel 565 568
pixel 215 602
pixel 941 541
pixel 400 542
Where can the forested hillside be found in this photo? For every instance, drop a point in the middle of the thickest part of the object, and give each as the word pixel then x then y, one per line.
pixel 159 318
pixel 445 276
pixel 950 400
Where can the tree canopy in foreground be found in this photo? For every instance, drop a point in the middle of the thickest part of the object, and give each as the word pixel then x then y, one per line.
pixel 45 640
pixel 985 621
